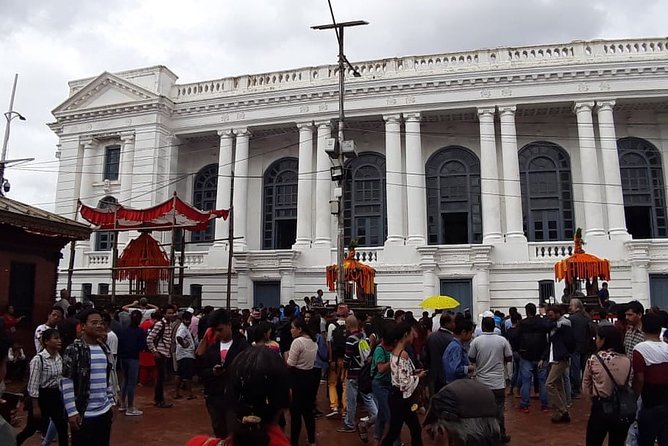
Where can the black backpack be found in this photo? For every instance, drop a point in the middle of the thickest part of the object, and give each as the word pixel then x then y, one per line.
pixel 623 403
pixel 339 340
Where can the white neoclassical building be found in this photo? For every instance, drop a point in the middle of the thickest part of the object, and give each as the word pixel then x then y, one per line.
pixel 474 170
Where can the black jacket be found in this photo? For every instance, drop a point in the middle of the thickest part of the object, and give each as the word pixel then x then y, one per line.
pixel 532 338
pixel 214 386
pixel 562 340
pixel 437 342
pixel 580 325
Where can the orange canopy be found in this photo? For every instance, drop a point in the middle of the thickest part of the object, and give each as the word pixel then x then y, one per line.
pixel 581 265
pixel 354 271
pixel 143 251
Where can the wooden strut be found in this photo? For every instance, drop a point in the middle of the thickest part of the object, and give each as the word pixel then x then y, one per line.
pixel 70 269
pixel 114 260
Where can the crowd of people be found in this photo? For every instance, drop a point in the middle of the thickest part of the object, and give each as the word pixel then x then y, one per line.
pixel 444 374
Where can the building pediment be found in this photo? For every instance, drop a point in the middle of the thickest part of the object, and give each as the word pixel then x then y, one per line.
pixel 104 91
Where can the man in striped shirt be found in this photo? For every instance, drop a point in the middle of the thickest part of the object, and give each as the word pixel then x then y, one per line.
pixel 159 341
pixel 86 384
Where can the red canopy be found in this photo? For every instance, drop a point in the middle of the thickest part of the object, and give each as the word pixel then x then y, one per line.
pixel 143 251
pixel 162 217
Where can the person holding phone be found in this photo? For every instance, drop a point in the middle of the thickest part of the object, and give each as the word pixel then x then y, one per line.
pixel 217 359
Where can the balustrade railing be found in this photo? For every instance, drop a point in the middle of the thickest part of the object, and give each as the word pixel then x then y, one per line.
pixel 195 258
pixel 550 250
pixel 98 259
pixel 478 60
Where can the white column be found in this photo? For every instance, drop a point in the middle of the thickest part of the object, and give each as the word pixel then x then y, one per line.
pixel 128 159
pixel 614 197
pixel 416 193
pixel 89 171
pixel 393 180
pixel 241 188
pixel 305 186
pixel 591 190
pixel 489 178
pixel 225 160
pixel 512 191
pixel 323 183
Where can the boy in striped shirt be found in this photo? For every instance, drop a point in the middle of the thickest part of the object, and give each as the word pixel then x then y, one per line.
pixel 86 387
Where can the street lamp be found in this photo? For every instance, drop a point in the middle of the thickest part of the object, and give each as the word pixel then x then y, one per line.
pixel 9 116
pixel 338 152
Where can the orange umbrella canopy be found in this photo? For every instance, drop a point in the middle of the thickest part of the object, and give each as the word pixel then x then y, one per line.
pixel 581 265
pixel 353 270
pixel 143 251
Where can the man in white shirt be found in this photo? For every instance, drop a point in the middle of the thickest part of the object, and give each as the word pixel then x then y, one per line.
pixel 55 316
pixel 185 357
pixel 142 305
pixel 490 352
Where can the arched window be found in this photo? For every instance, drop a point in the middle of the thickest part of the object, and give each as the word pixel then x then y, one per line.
pixel 365 215
pixel 454 213
pixel 642 185
pixel 104 241
pixel 279 226
pixel 547 195
pixel 204 198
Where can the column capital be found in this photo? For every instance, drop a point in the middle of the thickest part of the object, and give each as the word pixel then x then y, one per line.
pixel 486 112
pixel 243 131
pixel 225 133
pixel 128 137
pixel 605 105
pixel 507 110
pixel 583 107
pixel 305 125
pixel 323 124
pixel 392 119
pixel 413 117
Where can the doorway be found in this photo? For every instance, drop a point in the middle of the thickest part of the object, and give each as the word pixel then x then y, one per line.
pixel 267 293
pixel 285 232
pixel 639 221
pixel 460 290
pixel 658 290
pixel 22 288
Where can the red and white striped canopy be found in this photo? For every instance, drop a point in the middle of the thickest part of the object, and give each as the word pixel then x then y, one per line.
pixel 162 217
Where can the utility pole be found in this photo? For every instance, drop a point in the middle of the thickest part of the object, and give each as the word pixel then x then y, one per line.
pixel 230 245
pixel 339 153
pixel 9 115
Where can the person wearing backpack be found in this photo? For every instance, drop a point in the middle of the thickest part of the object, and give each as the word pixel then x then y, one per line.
pixel 604 371
pixel 356 354
pixel 381 380
pixel 336 345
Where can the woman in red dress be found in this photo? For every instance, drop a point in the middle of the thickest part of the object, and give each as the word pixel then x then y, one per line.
pixel 11 321
pixel 260 386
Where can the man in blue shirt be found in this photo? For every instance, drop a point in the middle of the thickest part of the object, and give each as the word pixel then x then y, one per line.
pixel 455 358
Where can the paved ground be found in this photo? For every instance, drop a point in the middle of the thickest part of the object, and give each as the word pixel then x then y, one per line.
pixel 187 418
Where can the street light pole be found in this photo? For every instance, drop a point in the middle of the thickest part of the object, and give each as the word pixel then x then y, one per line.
pixel 340 249
pixel 9 115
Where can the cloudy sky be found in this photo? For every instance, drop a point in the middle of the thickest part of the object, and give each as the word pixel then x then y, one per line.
pixel 49 42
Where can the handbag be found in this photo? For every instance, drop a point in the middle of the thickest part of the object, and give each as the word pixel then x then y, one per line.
pixel 623 403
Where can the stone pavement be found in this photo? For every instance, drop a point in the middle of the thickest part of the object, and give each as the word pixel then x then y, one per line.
pixel 188 418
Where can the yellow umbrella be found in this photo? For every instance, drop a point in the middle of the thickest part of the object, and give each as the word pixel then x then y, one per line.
pixel 439 303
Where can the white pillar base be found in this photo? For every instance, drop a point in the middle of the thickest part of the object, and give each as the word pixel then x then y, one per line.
pixel 596 232
pixel 492 238
pixel 323 244
pixel 416 240
pixel 619 234
pixel 394 241
pixel 515 236
pixel 301 245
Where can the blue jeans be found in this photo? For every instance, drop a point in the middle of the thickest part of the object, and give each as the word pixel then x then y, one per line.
pixel 51 434
pixel 131 374
pixel 527 369
pixel 351 397
pixel 381 392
